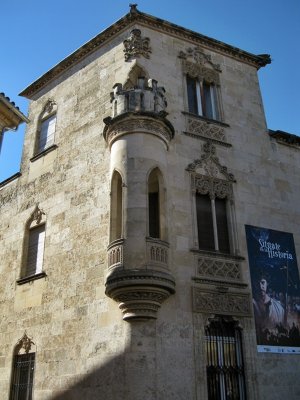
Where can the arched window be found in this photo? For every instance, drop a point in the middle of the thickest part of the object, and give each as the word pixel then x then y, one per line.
pixel 225 365
pixel 156 214
pixel 23 369
pixel 116 206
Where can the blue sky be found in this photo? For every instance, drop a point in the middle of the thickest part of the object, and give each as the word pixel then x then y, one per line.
pixel 36 35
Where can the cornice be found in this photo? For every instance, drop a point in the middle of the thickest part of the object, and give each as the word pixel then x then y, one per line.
pixel 135 16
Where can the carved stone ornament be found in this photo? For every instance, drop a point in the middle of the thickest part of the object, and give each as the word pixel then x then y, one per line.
pixel 130 123
pixel 36 216
pixel 197 56
pixel 24 344
pixel 49 106
pixel 205 129
pixel 136 45
pixel 139 292
pixel 208 301
pixel 220 269
pixel 209 176
pixel 201 72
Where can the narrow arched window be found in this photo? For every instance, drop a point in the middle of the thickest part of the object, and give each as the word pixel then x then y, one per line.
pixel 116 207
pixel 156 215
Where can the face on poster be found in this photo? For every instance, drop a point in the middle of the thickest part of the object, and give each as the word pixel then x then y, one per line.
pixel 275 289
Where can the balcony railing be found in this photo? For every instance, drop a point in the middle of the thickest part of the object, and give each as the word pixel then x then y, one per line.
pixel 115 253
pixel 157 252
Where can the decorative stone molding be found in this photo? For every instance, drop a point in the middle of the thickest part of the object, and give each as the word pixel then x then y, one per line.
pixel 209 176
pixel 215 187
pixel 201 72
pixel 131 123
pixel 136 45
pixel 209 301
pixel 24 345
pixel 198 56
pixel 49 107
pixel 158 252
pixel 211 164
pixel 285 138
pixel 219 268
pixel 139 292
pixel 115 253
pixel 205 130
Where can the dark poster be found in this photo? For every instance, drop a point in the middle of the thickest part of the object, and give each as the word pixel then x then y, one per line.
pixel 275 289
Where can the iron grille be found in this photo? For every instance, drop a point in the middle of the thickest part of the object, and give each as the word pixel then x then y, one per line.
pixel 225 366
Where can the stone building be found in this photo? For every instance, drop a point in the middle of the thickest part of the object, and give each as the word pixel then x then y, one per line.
pixel 124 263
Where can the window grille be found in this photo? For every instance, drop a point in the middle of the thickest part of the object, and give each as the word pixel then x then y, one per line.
pixel 22 379
pixel 225 366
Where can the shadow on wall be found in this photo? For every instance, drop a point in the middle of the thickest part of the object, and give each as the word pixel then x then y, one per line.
pixel 131 375
pixel 106 382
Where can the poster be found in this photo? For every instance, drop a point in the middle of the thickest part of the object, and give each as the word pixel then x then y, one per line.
pixel 275 290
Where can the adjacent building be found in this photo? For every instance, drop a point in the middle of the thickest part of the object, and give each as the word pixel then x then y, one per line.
pixel 10 116
pixel 154 207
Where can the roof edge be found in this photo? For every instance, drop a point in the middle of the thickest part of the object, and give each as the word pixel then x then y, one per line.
pixel 137 16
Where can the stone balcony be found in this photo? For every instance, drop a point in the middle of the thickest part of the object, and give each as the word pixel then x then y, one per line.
pixel 139 291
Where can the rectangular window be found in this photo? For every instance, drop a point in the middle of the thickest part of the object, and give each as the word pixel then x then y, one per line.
pixel 202 98
pixel 35 250
pixel 47 131
pixel 22 377
pixel 212 224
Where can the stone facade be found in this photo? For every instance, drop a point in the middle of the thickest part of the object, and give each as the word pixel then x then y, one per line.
pixel 117 314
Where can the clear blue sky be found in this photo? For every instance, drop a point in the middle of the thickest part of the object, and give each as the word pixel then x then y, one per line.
pixel 36 35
